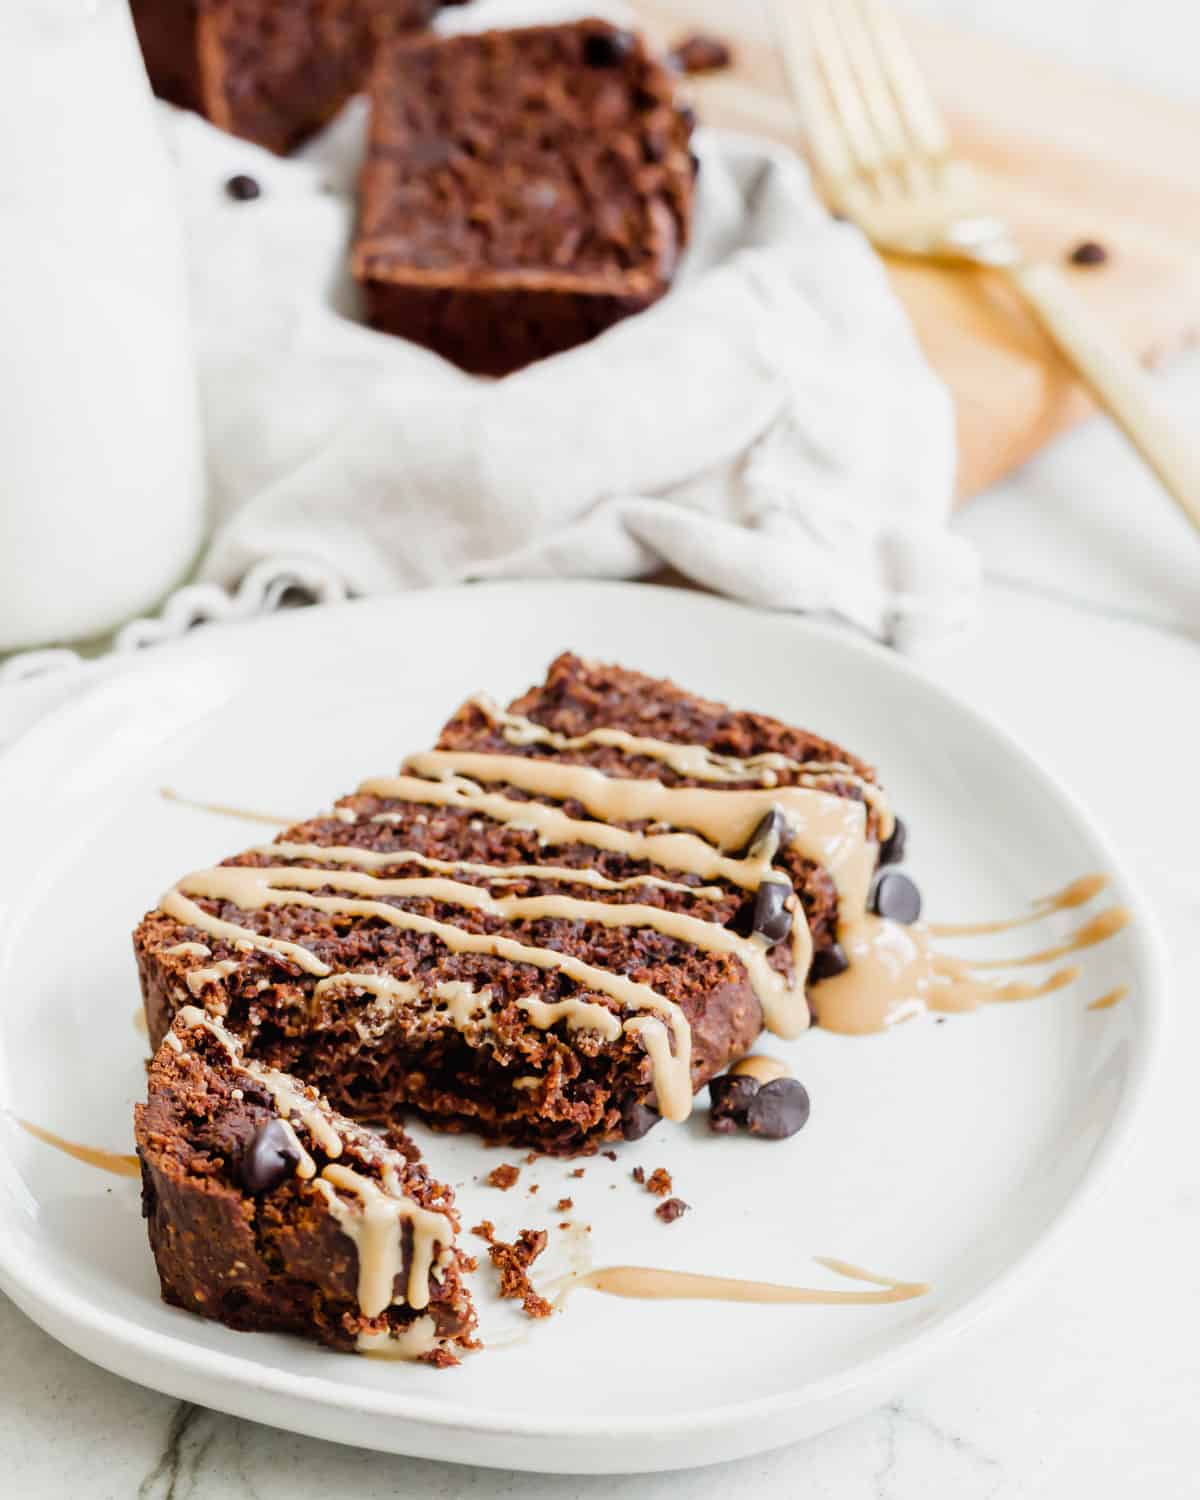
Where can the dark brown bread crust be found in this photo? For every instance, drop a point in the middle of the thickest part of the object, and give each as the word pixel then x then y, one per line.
pixel 271 71
pixel 523 190
pixel 586 1087
pixel 276 1262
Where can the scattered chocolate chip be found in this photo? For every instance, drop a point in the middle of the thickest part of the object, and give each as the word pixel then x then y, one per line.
pixel 672 1209
pixel 701 53
pixel 607 49
pixel 1088 253
pixel 242 188
pixel 269 1159
pixel 772 920
pixel 895 896
pixel 778 1109
pixel 829 963
pixel 773 826
pixel 892 850
pixel 730 1096
pixel 637 1119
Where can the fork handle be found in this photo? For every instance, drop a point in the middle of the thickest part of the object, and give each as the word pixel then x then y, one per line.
pixel 1115 378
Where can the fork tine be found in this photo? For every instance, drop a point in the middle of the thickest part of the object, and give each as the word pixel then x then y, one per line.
pixel 826 140
pixel 912 96
pixel 829 45
pixel 869 65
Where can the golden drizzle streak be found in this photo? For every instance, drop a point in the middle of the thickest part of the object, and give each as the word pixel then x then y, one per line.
pixel 648 1283
pixel 91 1156
pixel 1078 893
pixel 168 794
pixel 1114 997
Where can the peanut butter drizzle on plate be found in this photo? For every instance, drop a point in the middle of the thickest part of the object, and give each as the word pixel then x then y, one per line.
pixel 92 1156
pixel 1078 893
pixel 224 810
pixel 1114 997
pixel 896 974
pixel 648 1283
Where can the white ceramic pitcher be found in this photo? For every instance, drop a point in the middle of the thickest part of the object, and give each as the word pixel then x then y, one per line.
pixel 101 473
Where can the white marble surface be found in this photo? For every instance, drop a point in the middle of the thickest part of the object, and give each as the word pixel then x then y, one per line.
pixel 1089 649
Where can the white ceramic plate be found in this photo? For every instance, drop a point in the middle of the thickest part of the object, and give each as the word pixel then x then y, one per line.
pixel 942 1153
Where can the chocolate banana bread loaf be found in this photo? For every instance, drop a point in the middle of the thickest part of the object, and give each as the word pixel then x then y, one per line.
pixel 271 71
pixel 553 929
pixel 268 1211
pixel 523 190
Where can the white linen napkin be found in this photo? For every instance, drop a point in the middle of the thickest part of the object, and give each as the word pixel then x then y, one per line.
pixel 770 429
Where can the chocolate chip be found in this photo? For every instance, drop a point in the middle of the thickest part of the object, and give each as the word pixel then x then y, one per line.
pixel 892 850
pixel 895 896
pixel 637 1119
pixel 701 53
pixel 1088 253
pixel 695 161
pixel 730 1097
pixel 607 49
pixel 779 1109
pixel 773 826
pixel 243 188
pixel 829 963
pixel 269 1159
pixel 771 917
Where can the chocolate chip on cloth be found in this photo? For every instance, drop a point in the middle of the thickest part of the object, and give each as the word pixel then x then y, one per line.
pixel 243 188
pixel 271 1157
pixel 896 897
pixel 778 1109
pixel 730 1095
pixel 701 53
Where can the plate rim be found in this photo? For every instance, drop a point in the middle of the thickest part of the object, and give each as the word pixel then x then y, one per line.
pixel 68 1311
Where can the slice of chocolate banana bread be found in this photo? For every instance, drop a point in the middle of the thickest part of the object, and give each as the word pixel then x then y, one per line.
pixel 271 71
pixel 523 190
pixel 553 929
pixel 268 1211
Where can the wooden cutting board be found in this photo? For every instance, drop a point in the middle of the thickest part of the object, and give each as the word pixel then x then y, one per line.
pixel 1065 157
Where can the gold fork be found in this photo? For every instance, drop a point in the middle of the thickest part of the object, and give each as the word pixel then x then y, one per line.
pixel 881 148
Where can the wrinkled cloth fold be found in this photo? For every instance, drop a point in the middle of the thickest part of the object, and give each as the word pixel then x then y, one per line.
pixel 770 429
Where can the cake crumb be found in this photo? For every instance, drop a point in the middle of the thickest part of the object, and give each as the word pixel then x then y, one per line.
pixel 671 1210
pixel 564 1204
pixel 513 1262
pixel 485 1230
pixel 533 1187
pixel 530 1158
pixel 639 1175
pixel 659 1182
pixel 701 53
pixel 503 1177
pixel 612 1155
pixel 578 1172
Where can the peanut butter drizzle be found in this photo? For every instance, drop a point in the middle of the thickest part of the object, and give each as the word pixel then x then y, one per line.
pixel 1078 893
pixel 140 1024
pixel 376 1228
pixel 895 974
pixel 91 1156
pixel 223 810
pixel 829 830
pixel 647 1283
pixel 249 887
pixel 1114 997
pixel 696 762
pixel 382 859
pixel 761 1068
pixel 411 1342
